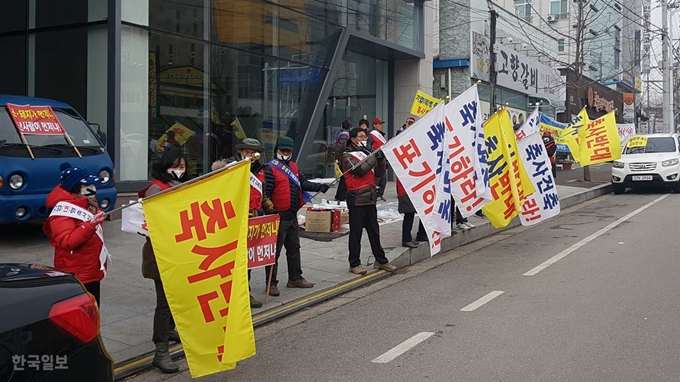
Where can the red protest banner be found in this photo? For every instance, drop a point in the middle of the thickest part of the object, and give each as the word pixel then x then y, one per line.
pixel 262 234
pixel 38 120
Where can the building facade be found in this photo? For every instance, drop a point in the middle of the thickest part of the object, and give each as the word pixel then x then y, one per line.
pixel 200 75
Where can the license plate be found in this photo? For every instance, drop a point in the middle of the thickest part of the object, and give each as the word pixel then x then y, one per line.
pixel 642 177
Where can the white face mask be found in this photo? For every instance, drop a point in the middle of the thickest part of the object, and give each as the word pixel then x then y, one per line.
pixel 176 173
pixel 284 158
pixel 362 143
pixel 90 190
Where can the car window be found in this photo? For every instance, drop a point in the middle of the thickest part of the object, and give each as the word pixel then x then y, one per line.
pixel 654 145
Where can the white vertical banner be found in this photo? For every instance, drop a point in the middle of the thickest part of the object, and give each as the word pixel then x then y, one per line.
pixel 465 153
pixel 416 155
pixel 544 203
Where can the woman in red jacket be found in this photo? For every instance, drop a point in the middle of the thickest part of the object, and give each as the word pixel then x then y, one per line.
pixel 168 172
pixel 74 228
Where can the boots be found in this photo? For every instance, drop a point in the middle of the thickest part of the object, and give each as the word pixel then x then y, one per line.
pixel 162 359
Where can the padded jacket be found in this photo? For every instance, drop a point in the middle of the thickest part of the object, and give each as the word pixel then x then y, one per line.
pixel 76 244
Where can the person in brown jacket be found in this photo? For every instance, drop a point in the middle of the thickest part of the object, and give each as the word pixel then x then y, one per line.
pixel 362 197
pixel 168 172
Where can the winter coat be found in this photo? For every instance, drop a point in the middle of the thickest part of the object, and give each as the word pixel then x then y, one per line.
pixel 360 181
pixel 76 244
pixel 341 139
pixel 149 266
pixel 286 196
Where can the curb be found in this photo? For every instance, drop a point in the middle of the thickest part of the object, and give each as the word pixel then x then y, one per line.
pixel 402 256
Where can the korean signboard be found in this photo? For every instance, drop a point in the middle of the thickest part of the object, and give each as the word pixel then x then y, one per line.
pixel 514 70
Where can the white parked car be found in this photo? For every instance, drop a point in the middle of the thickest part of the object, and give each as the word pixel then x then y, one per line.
pixel 648 160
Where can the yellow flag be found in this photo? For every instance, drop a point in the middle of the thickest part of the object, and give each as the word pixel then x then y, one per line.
pixel 238 129
pixel 637 141
pixel 177 135
pixel 423 103
pixel 199 236
pixel 600 140
pixel 510 184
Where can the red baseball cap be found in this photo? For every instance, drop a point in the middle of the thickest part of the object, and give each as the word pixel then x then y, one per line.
pixel 377 121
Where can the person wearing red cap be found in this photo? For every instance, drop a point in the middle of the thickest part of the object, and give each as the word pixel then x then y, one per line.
pixel 379 140
pixel 551 149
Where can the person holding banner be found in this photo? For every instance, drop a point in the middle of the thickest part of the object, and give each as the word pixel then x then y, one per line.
pixel 551 149
pixel 361 200
pixel 258 204
pixel 340 146
pixel 409 121
pixel 74 228
pixel 287 188
pixel 169 171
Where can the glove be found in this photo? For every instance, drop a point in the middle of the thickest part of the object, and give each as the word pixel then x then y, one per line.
pixel 379 155
pixel 324 188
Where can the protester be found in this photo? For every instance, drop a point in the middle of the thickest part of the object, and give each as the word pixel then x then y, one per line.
pixel 361 200
pixel 363 124
pixel 74 228
pixel 379 139
pixel 286 187
pixel 258 204
pixel 406 207
pixel 340 146
pixel 462 223
pixel 551 149
pixel 409 121
pixel 169 171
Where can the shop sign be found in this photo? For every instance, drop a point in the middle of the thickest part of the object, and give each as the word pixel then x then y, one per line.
pixel 515 71
pixel 598 102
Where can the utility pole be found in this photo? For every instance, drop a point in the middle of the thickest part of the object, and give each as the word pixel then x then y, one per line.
pixel 667 67
pixel 492 61
pixel 579 63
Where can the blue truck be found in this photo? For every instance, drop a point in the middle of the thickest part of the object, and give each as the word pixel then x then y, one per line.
pixel 29 164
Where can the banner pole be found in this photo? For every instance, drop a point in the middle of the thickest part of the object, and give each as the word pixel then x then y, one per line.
pixel 269 283
pixel 255 156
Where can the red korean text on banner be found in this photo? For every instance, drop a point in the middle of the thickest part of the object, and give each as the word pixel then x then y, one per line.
pixel 263 232
pixel 36 120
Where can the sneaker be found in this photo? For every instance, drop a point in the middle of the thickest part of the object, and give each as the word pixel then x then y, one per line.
pixel 462 227
pixel 274 291
pixel 381 199
pixel 470 225
pixel 409 244
pixel 300 283
pixel 254 303
pixel 480 214
pixel 421 240
pixel 358 270
pixel 387 267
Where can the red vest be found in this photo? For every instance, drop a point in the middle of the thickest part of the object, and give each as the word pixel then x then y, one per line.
pixel 400 189
pixel 357 182
pixel 255 195
pixel 281 194
pixel 163 186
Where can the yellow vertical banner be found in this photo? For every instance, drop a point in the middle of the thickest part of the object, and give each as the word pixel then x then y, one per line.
pixel 510 184
pixel 199 236
pixel 571 137
pixel 599 140
pixel 422 103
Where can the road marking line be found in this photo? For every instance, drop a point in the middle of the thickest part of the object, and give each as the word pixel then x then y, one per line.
pixel 403 347
pixel 590 238
pixel 482 301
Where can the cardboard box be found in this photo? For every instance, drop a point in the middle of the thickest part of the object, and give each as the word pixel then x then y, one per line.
pixel 319 221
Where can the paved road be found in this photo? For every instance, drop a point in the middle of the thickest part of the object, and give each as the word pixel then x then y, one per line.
pixel 588 296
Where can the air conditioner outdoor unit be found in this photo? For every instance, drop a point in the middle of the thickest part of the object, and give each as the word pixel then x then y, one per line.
pixel 551 18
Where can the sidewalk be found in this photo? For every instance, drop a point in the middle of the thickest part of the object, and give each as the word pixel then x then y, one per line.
pixel 128 300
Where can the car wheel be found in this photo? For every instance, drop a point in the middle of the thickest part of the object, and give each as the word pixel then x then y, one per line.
pixel 618 189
